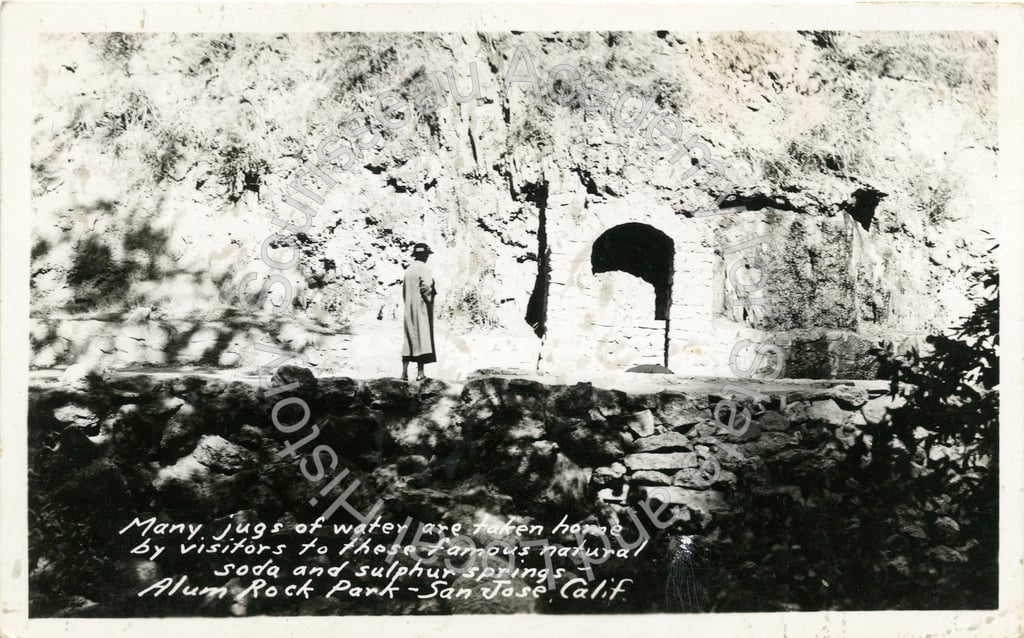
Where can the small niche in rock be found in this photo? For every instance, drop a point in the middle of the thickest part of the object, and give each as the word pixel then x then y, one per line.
pixel 862 204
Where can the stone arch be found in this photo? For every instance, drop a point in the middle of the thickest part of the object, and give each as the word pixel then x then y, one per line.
pixel 640 250
pixel 580 318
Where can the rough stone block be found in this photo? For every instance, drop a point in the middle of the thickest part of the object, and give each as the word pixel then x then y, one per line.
pixel 81 376
pixel 181 431
pixel 217 453
pixel 768 444
pixel 849 396
pixel 650 477
pixel 677 410
pixel 525 428
pixel 875 410
pixel 609 495
pixel 608 475
pixel 666 441
pixel 827 411
pixel 702 502
pixel 75 415
pixel 702 478
pixel 641 423
pixel 571 401
pixel 300 375
pixel 772 421
pixel 671 461
pixel 590 443
pixel 610 402
pixel 848 434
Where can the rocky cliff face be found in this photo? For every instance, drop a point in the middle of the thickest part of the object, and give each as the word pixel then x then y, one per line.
pixel 160 162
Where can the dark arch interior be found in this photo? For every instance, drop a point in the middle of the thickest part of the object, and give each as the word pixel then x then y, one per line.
pixel 640 250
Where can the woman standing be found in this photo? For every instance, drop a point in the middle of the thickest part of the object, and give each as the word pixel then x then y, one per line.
pixel 418 292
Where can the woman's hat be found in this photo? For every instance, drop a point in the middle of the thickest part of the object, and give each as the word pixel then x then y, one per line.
pixel 421 249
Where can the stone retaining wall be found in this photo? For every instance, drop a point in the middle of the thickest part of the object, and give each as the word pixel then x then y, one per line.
pixel 203 449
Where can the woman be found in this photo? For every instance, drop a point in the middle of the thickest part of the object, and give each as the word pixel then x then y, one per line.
pixel 418 292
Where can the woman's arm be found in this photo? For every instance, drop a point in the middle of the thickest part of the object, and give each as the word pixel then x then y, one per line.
pixel 427 289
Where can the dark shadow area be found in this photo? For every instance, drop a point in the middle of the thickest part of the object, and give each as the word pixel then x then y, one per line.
pixel 537 307
pixel 640 250
pixel 862 204
pixel 101 273
pixel 95 274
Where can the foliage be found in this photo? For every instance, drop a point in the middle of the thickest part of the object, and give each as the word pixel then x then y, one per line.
pixel 903 514
pixel 953 393
pixel 469 305
pixel 813 264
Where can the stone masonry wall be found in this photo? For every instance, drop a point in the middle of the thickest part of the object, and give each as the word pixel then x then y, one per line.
pixel 201 449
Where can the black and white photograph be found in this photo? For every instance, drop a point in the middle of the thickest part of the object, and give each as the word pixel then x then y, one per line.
pixel 488 321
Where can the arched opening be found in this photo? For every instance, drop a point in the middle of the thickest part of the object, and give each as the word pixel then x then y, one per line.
pixel 642 251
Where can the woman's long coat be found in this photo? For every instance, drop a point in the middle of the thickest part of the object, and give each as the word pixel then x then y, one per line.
pixel 419 292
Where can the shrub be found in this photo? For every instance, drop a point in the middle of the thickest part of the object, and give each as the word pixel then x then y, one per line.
pixel 904 517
